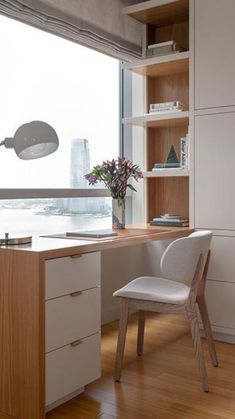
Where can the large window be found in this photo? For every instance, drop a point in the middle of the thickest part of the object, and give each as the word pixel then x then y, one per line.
pixel 74 89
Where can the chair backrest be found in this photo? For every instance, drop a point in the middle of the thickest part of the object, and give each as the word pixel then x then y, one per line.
pixel 180 259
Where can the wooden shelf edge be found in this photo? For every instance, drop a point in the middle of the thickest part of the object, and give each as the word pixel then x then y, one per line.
pixel 158 12
pixel 166 173
pixel 155 61
pixel 157 120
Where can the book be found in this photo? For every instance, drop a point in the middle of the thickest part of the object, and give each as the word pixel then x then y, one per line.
pixel 170 223
pixel 175 105
pixel 163 48
pixel 172 220
pixel 166 166
pixel 171 217
pixel 98 234
pixel 184 152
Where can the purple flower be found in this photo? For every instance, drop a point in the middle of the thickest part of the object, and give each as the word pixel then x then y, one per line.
pixel 115 175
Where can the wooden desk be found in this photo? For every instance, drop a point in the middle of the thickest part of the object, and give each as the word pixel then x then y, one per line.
pixel 23 292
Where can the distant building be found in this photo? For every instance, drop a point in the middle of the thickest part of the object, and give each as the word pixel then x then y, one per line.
pixel 79 163
pixel 79 167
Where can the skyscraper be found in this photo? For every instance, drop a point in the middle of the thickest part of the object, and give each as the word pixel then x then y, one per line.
pixel 79 166
pixel 80 163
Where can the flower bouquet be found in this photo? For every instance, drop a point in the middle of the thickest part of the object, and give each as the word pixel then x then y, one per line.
pixel 115 174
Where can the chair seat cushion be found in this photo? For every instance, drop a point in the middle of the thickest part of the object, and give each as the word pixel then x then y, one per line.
pixel 151 288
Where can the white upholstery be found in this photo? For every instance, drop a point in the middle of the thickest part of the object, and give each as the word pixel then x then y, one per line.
pixel 178 265
pixel 179 260
pixel 151 288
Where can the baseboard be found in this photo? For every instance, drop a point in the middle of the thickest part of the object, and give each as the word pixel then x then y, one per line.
pixel 221 336
pixel 64 399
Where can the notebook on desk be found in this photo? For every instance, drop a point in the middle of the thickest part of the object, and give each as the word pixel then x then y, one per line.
pixel 97 234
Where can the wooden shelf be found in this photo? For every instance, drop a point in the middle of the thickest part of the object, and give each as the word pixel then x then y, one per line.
pixel 166 173
pixel 160 66
pixel 159 121
pixel 159 12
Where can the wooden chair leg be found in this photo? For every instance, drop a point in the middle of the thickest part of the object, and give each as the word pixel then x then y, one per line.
pixel 121 339
pixel 140 338
pixel 208 332
pixel 194 326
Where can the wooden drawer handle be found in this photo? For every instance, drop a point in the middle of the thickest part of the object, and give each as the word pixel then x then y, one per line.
pixel 76 294
pixel 76 343
pixel 75 256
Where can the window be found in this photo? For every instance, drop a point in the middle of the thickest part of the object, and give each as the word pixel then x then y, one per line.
pixel 74 89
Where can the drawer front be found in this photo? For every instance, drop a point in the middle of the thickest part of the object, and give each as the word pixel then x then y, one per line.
pixel 220 297
pixel 69 368
pixel 66 275
pixel 72 317
pixel 222 263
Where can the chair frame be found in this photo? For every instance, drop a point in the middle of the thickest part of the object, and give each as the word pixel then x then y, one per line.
pixel 188 309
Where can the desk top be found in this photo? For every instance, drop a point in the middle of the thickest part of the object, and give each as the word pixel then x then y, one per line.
pixel 49 248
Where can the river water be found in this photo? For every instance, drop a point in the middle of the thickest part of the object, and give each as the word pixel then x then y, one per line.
pixel 34 223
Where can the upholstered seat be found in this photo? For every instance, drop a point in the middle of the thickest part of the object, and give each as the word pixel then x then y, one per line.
pixel 181 289
pixel 151 288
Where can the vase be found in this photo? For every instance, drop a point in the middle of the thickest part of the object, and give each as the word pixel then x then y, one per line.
pixel 118 213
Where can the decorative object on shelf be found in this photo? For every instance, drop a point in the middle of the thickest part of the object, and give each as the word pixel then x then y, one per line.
pixel 33 140
pixel 163 48
pixel 184 152
pixel 173 106
pixel 173 220
pixel 172 161
pixel 115 174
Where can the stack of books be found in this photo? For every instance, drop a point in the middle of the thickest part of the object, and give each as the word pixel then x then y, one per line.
pixel 164 48
pixel 173 220
pixel 173 106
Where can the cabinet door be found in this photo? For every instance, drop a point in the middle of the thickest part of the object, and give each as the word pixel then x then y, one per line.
pixel 215 171
pixel 214 53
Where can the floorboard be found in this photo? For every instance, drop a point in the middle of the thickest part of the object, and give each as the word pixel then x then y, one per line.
pixel 162 384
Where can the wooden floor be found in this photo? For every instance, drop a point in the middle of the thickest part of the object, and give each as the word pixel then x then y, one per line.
pixel 162 384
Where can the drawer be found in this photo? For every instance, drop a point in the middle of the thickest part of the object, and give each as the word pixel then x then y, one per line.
pixel 69 368
pixel 222 263
pixel 66 275
pixel 220 297
pixel 72 317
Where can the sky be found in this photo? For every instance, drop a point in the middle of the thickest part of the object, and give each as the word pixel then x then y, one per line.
pixel 73 88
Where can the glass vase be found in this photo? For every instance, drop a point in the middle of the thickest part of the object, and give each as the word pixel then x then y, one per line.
pixel 118 213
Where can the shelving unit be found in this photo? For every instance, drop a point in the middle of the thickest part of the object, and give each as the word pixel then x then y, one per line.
pixel 167 79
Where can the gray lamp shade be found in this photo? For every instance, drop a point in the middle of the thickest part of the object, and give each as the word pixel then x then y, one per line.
pixel 34 140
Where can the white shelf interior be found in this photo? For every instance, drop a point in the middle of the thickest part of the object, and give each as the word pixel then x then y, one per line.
pixel 166 173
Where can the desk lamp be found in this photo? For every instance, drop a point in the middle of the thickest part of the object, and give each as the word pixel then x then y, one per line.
pixel 33 140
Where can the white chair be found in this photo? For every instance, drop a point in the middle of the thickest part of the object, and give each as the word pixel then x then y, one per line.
pixel 184 266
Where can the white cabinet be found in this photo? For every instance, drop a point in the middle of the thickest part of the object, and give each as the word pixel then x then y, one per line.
pixel 220 297
pixel 72 323
pixel 214 53
pixel 215 171
pixel 222 263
